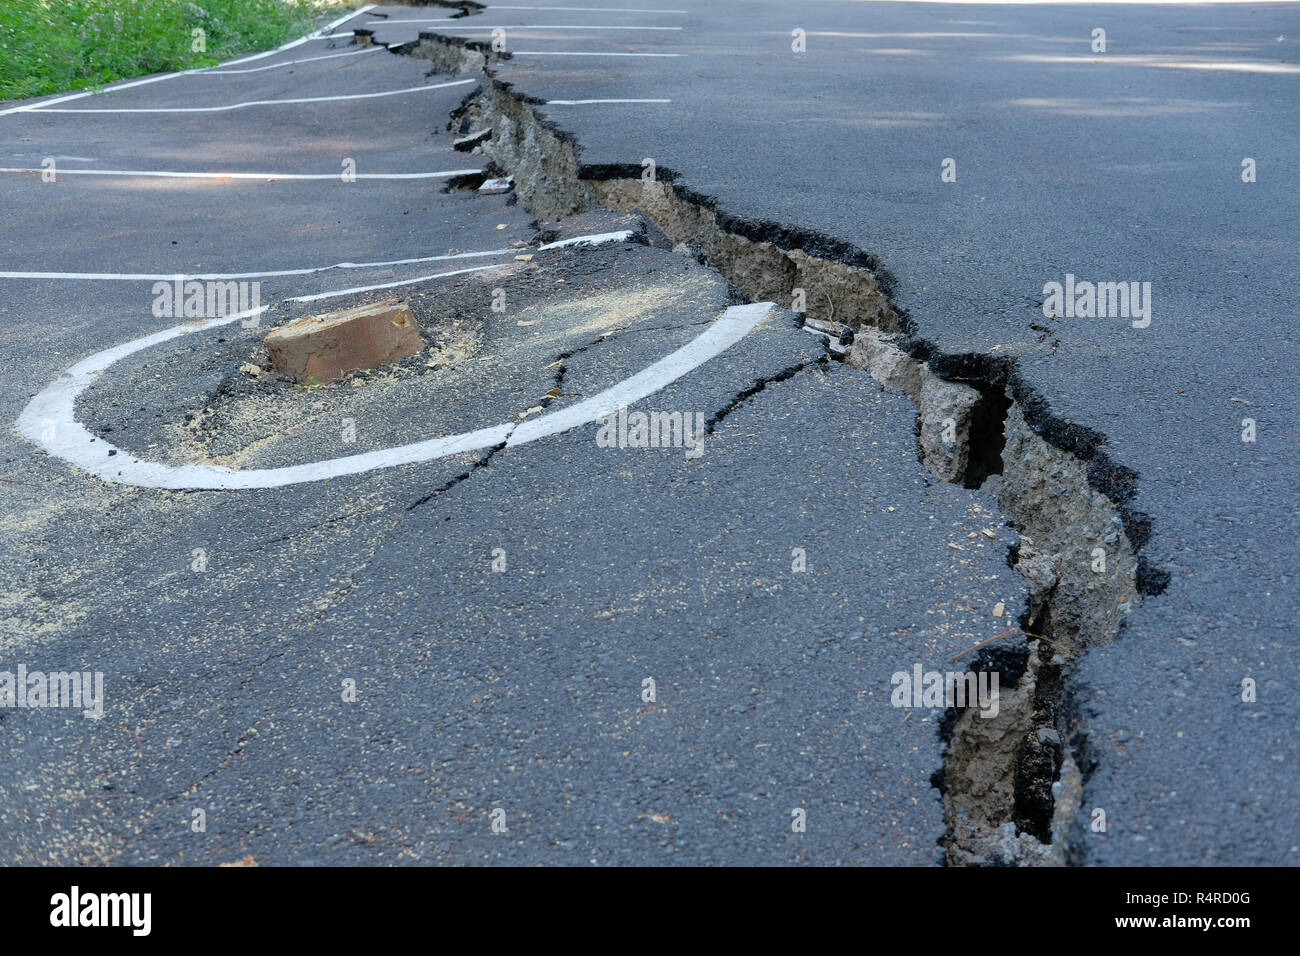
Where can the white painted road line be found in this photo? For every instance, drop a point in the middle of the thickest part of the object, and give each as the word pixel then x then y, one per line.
pixel 392 285
pixel 266 176
pixel 227 276
pixel 566 53
pixel 240 106
pixel 36 107
pixel 214 71
pixel 593 239
pixel 583 102
pixel 328 28
pixel 49 420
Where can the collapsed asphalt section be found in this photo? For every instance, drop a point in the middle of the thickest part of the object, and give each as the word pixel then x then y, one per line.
pixel 625 650
pixel 1011 786
pixel 524 689
pixel 632 653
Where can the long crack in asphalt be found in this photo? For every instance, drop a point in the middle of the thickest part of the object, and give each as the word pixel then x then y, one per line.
pixel 1011 784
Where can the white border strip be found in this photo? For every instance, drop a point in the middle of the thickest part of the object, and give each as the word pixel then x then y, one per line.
pixel 169 276
pixel 338 177
pixel 593 239
pixel 392 285
pixel 54 410
pixel 317 35
pixel 37 107
pixel 240 106
pixel 216 71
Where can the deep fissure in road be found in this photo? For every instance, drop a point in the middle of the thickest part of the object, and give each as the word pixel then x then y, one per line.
pixel 1010 784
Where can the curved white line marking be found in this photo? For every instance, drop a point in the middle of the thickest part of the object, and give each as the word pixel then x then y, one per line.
pixel 240 106
pixel 71 441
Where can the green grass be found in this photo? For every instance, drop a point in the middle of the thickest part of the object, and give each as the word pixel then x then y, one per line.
pixel 48 46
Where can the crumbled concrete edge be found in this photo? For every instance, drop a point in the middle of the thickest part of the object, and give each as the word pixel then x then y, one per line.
pixel 1013 784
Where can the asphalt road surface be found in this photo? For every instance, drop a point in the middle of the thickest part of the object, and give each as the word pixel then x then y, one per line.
pixel 559 651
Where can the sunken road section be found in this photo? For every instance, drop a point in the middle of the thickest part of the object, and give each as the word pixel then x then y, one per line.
pixel 1011 785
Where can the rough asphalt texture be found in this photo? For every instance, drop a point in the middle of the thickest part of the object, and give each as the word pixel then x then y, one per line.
pixel 476 689
pixel 521 689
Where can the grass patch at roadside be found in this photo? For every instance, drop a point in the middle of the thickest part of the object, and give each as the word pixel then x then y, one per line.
pixel 49 46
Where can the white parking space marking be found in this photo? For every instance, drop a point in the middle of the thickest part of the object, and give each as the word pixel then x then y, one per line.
pixel 593 239
pixel 240 106
pixel 49 420
pixel 214 71
pixel 392 285
pixel 168 276
pixel 266 176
